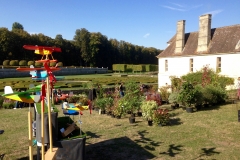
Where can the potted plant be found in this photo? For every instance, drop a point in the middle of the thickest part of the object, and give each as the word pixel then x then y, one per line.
pixel 173 99
pixel 117 111
pixel 131 101
pixel 161 117
pixel 188 96
pixel 148 108
pixel 109 104
pixel 101 104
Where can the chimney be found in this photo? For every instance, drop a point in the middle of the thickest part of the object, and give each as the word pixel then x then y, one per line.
pixel 204 34
pixel 180 39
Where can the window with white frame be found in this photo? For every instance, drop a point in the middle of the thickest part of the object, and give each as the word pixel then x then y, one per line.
pixel 219 64
pixel 166 65
pixel 191 65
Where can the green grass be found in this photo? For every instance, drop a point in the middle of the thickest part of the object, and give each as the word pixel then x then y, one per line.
pixel 77 82
pixel 206 134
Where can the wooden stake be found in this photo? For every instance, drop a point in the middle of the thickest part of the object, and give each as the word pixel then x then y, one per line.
pixel 30 136
pixel 42 128
pixel 49 115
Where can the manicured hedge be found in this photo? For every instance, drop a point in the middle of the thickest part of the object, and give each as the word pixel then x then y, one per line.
pixel 6 62
pixel 135 68
pixel 23 63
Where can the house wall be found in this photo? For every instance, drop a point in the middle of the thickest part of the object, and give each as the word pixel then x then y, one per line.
pixel 178 66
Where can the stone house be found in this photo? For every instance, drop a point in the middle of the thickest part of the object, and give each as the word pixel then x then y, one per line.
pixel 189 52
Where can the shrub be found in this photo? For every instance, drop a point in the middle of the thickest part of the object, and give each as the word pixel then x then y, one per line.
pixel 173 97
pixel 73 99
pixel 148 108
pixel 60 64
pixel 23 63
pixel 9 105
pixel 188 94
pixel 52 64
pixel 13 63
pixel 30 63
pixel 161 116
pixel 214 94
pixel 6 62
pixel 164 93
pixel 38 64
pixel 1 101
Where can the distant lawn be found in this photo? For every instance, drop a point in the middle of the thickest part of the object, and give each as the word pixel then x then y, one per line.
pixel 206 134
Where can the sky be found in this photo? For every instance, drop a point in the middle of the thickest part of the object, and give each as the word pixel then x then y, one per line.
pixel 148 23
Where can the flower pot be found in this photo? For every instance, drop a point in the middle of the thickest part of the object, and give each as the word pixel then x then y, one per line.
pixel 118 117
pixel 176 105
pixel 131 120
pixel 150 123
pixel 198 107
pixel 139 114
pixel 189 109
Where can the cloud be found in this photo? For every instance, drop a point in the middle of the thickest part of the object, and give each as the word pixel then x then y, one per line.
pixel 176 9
pixel 180 7
pixel 176 4
pixel 215 12
pixel 146 35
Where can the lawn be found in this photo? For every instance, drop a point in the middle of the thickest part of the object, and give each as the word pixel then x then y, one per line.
pixel 212 133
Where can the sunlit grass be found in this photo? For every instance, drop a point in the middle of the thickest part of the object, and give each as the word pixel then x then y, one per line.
pixel 206 134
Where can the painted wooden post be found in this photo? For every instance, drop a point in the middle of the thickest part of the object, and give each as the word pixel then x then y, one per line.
pixel 49 115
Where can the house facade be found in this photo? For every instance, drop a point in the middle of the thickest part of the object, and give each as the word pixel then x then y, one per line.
pixel 219 48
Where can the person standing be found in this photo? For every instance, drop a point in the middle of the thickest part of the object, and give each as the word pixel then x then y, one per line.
pixel 121 90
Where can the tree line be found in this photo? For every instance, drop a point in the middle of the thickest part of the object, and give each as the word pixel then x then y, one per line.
pixel 86 49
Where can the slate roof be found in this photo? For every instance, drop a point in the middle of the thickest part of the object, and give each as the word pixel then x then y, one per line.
pixel 223 40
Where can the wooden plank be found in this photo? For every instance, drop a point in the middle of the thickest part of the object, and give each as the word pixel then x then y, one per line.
pixel 51 155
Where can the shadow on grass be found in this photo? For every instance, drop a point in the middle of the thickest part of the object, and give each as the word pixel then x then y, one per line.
pixel 175 121
pixel 207 152
pixel 92 135
pixel 118 149
pixel 172 150
pixel 150 145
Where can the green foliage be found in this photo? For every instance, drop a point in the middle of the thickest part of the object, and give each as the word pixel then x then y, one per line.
pixel 30 63
pixel 175 83
pixel 38 64
pixel 207 76
pixel 60 64
pixel 13 63
pixel 52 64
pixel 148 108
pixel 17 25
pixel 8 105
pixel 173 97
pixel 138 68
pixel 6 62
pixel 188 95
pixel 1 101
pixel 161 116
pixel 73 99
pixel 101 103
pixel 131 101
pixel 164 93
pixel 23 63
pixel 214 94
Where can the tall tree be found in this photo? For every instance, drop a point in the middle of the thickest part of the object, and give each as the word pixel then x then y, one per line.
pixel 17 25
pixel 82 39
